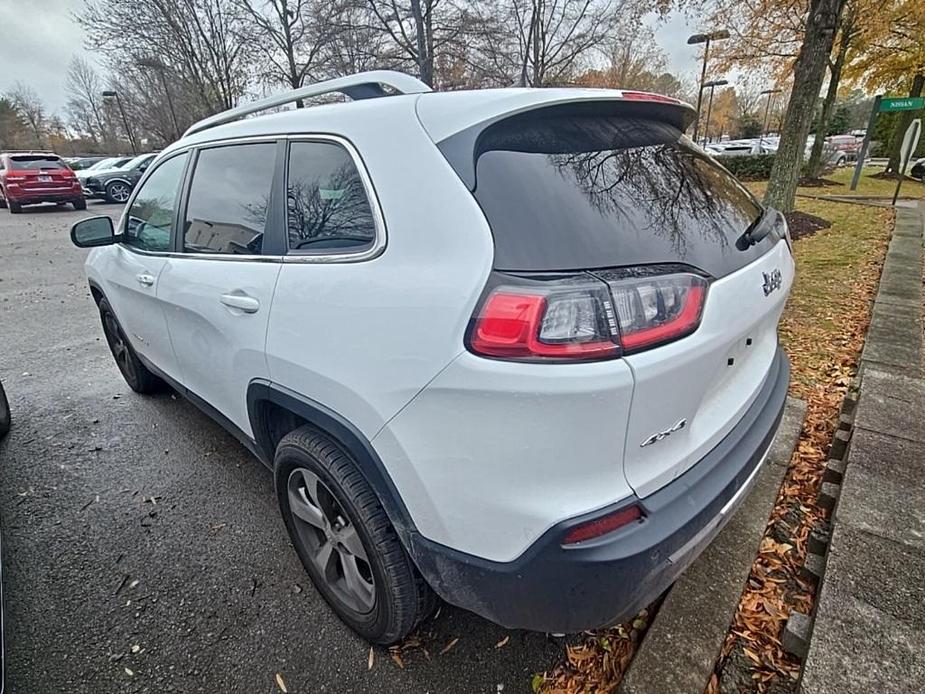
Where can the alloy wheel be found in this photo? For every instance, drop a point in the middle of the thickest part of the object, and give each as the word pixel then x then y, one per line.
pixel 119 192
pixel 331 541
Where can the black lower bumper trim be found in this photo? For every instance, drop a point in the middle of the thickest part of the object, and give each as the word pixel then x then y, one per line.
pixel 601 582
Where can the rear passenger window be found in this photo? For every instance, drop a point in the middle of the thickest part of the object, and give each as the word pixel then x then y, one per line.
pixel 150 218
pixel 229 199
pixel 328 210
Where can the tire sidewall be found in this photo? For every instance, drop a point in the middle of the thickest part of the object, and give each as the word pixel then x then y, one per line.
pixel 131 379
pixel 371 625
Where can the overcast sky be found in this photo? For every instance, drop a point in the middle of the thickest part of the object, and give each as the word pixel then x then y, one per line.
pixel 38 39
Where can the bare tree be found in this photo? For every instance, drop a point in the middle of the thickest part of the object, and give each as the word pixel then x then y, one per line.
pixel 31 109
pixel 288 35
pixel 85 105
pixel 199 43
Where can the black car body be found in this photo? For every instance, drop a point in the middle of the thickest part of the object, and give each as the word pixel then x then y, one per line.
pixel 917 170
pixel 115 185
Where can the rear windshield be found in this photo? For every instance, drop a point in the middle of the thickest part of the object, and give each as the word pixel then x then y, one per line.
pixel 31 161
pixel 581 193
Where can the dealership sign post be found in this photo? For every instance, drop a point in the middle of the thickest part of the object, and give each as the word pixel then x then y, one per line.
pixel 884 104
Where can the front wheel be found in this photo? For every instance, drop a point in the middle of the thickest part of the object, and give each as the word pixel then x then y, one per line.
pixel 136 374
pixel 345 539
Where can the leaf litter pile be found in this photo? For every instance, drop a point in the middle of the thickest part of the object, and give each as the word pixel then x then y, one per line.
pixel 822 330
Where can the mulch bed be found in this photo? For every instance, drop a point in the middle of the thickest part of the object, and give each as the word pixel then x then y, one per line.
pixel 818 183
pixel 802 224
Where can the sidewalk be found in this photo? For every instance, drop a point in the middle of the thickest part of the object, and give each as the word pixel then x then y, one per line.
pixel 869 632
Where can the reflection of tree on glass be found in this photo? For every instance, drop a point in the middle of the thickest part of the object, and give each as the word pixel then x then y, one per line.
pixel 327 203
pixel 583 191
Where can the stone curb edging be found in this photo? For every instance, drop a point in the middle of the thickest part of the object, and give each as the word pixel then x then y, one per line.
pixel 679 650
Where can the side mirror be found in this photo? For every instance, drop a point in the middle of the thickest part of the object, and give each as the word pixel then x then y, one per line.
pixel 96 231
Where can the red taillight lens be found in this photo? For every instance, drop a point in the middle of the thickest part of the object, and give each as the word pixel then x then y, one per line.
pixel 603 525
pixel 654 310
pixel 649 96
pixel 548 323
pixel 587 316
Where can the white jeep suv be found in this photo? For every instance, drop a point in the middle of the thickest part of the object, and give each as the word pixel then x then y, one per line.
pixel 514 347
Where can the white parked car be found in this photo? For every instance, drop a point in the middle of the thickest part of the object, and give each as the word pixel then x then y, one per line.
pixel 514 347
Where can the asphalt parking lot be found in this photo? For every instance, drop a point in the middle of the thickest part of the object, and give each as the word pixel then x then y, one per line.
pixel 142 547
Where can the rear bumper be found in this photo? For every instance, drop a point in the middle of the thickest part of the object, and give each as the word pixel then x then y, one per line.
pixel 607 580
pixel 33 197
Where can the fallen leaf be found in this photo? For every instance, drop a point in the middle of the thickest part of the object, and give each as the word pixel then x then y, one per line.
pixel 449 646
pixel 281 683
pixel 503 642
pixel 371 659
pixel 129 672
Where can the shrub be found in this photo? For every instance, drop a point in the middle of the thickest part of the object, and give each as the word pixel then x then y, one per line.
pixel 754 167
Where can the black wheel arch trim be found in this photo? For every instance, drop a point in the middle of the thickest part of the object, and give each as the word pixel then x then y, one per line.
pixel 342 431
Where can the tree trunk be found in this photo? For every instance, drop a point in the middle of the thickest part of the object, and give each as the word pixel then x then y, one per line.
pixel 828 105
pixel 807 81
pixel 424 60
pixel 905 118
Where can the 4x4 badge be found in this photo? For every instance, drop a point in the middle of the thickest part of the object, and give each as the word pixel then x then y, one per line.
pixel 772 281
pixel 655 438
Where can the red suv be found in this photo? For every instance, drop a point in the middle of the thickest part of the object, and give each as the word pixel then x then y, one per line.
pixel 27 178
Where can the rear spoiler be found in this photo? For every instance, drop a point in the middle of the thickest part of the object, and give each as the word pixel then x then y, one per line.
pixel 463 148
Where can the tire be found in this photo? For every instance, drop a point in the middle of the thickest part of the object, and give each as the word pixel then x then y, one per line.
pixel 350 529
pixel 4 413
pixel 118 192
pixel 136 374
pixel 2 201
pixel 15 207
pixel 80 204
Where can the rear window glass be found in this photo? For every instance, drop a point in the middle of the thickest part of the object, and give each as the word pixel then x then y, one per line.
pixel 602 191
pixel 36 162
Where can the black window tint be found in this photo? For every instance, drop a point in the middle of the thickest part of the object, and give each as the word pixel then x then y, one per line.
pixel 593 192
pixel 229 199
pixel 150 219
pixel 327 205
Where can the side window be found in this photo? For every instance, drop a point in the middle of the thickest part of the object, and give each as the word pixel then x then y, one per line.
pixel 326 202
pixel 150 219
pixel 229 199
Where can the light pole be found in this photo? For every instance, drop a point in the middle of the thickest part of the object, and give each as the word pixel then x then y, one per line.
pixel 704 39
pixel 109 94
pixel 160 68
pixel 767 114
pixel 712 85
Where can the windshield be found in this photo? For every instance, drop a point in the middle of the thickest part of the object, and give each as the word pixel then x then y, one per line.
pixel 605 191
pixel 102 164
pixel 134 163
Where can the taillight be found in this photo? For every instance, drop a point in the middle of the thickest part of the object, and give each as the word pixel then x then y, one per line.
pixel 585 317
pixel 603 525
pixel 657 309
pixel 15 179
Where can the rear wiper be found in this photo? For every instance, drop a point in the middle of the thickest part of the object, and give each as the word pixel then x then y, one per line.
pixel 757 230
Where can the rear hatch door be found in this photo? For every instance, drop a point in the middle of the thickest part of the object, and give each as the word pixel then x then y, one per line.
pixel 607 190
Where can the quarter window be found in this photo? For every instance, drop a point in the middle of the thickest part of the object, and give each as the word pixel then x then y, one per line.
pixel 327 207
pixel 229 199
pixel 150 219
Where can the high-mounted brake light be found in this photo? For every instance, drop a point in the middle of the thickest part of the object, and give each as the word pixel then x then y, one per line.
pixel 648 96
pixel 603 525
pixel 586 317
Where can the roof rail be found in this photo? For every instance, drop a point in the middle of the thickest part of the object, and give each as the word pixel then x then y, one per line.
pixel 363 85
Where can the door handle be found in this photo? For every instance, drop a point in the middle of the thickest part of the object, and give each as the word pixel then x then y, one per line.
pixel 145 278
pixel 242 302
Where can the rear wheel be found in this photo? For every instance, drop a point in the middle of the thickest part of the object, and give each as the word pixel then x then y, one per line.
pixel 346 541
pixel 2 201
pixel 117 191
pixel 136 374
pixel 15 207
pixel 80 204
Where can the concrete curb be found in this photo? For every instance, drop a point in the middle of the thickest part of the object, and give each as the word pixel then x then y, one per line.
pixel 695 615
